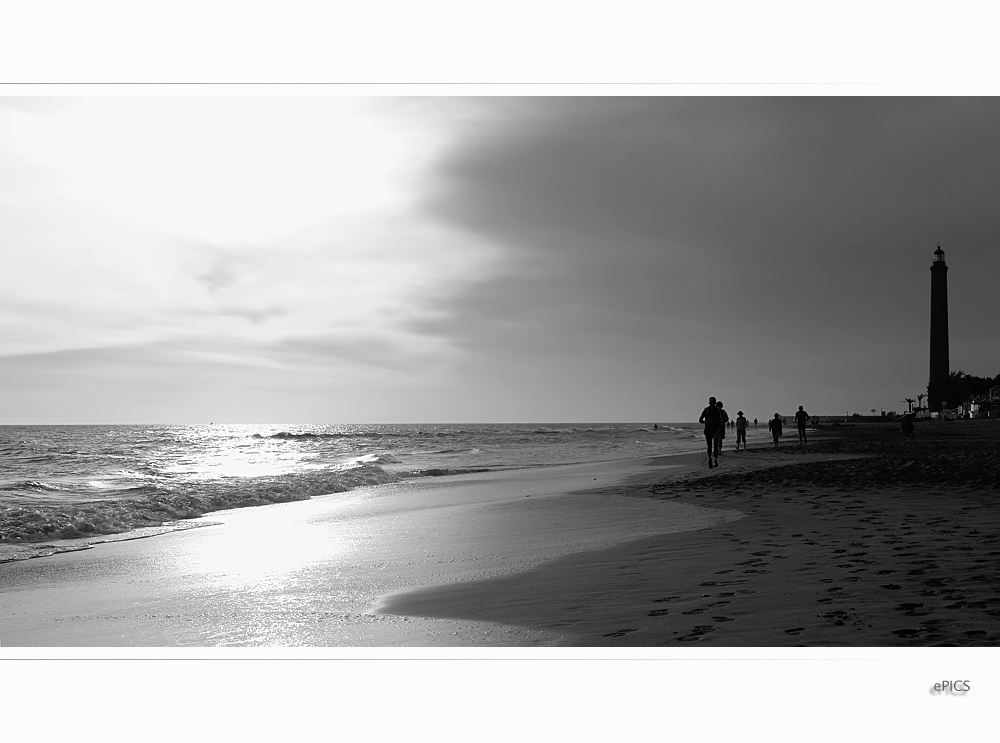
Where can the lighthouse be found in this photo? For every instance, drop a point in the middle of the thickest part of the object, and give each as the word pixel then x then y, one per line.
pixel 938 382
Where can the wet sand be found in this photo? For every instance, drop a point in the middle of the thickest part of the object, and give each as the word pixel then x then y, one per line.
pixel 308 573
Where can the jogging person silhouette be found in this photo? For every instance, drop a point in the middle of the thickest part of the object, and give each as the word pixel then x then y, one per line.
pixel 712 419
pixel 722 431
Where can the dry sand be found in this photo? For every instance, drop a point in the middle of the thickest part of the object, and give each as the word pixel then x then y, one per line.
pixel 855 539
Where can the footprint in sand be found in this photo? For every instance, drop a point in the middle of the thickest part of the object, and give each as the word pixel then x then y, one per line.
pixel 911 610
pixel 697 633
pixel 795 631
pixel 891 587
pixel 620 633
pixel 721 583
pixel 839 618
pixel 657 613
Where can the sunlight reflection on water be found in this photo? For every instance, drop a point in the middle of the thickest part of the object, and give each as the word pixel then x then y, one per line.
pixel 221 456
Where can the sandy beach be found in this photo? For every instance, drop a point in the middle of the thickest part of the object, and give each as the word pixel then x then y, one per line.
pixel 855 539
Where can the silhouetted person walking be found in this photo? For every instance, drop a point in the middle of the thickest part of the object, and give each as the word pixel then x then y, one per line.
pixel 741 430
pixel 801 418
pixel 722 430
pixel 712 419
pixel 774 426
pixel 906 424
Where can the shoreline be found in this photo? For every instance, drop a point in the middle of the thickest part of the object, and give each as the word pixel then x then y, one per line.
pixel 29 531
pixel 306 573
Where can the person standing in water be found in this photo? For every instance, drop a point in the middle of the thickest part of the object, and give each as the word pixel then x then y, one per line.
pixel 741 430
pixel 801 418
pixel 722 431
pixel 713 423
pixel 774 426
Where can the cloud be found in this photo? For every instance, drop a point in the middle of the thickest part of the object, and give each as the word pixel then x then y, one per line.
pixel 652 205
pixel 128 260
pixel 307 379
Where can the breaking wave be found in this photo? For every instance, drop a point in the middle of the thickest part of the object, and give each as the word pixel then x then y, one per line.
pixel 162 503
pixel 36 485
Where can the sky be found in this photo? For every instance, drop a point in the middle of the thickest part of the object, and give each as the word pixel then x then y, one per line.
pixel 332 259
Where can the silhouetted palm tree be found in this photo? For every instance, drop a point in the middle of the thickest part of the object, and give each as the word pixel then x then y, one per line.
pixel 909 401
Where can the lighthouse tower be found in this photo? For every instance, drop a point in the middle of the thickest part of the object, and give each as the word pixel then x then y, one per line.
pixel 938 383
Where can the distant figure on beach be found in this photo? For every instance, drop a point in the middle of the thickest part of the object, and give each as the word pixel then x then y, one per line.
pixel 741 430
pixel 774 426
pixel 722 430
pixel 801 418
pixel 754 422
pixel 712 419
pixel 907 426
pixel 655 427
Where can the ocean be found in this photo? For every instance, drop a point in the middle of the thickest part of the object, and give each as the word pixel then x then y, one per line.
pixel 65 487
